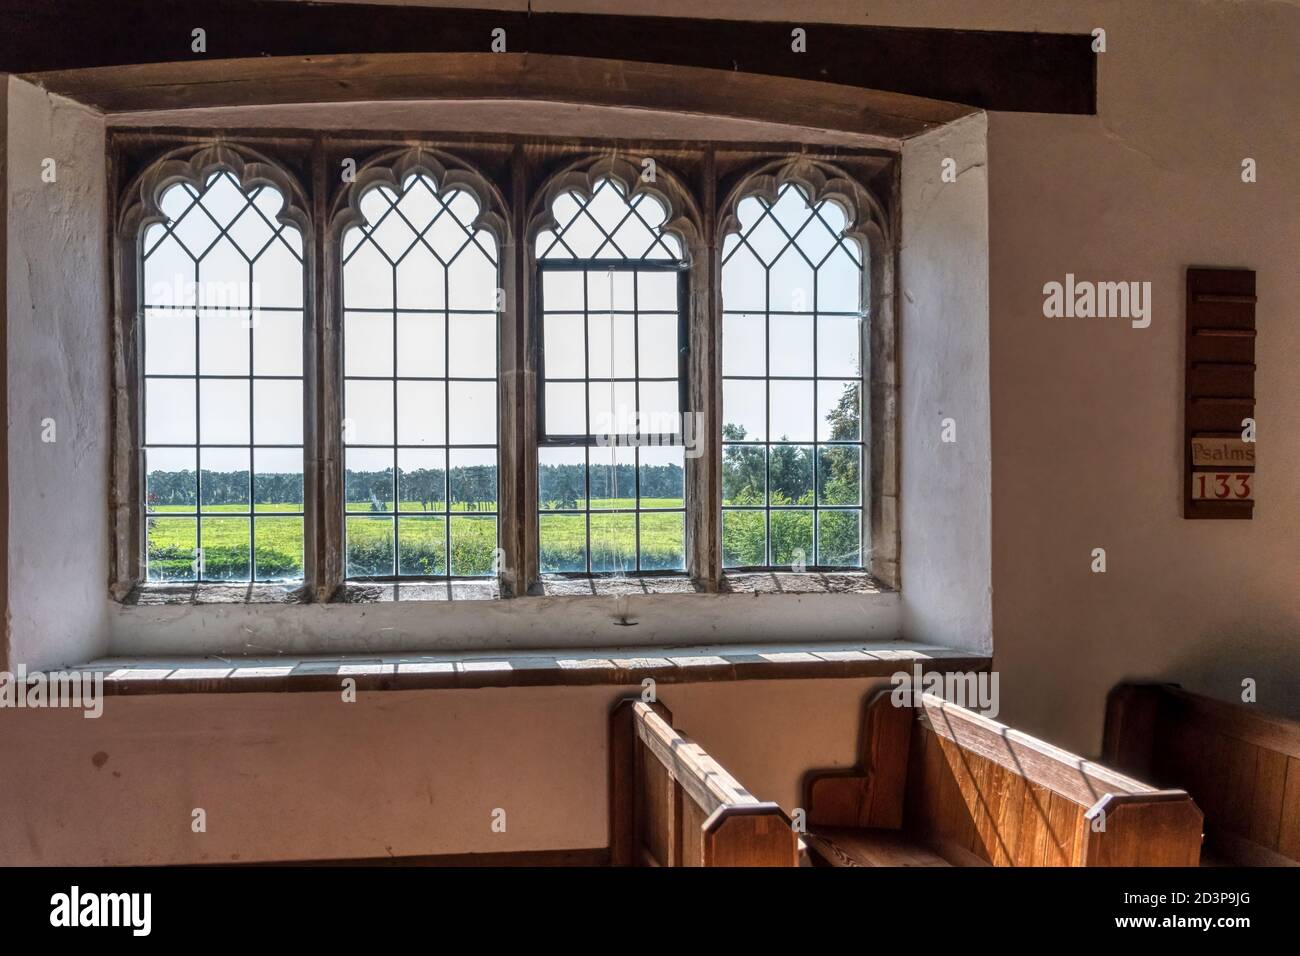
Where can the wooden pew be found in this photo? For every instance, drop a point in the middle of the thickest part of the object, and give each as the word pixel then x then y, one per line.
pixel 1241 765
pixel 939 785
pixel 671 804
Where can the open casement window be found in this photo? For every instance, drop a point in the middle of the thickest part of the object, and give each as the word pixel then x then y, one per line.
pixel 612 292
pixel 218 335
pixel 420 361
pixel 794 462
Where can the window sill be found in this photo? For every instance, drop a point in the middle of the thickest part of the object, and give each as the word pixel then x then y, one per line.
pixel 607 666
pixel 809 582
pixel 414 592
pixel 193 595
pixel 159 595
pixel 594 585
pixel 356 592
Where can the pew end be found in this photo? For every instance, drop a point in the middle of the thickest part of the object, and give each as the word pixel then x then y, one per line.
pixel 672 804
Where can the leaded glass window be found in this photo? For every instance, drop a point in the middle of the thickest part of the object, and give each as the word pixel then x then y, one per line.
pixel 792 432
pixel 221 324
pixel 611 466
pixel 420 372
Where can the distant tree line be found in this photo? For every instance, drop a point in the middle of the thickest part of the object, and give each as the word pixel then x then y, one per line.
pixel 223 487
pixel 471 485
pixel 562 485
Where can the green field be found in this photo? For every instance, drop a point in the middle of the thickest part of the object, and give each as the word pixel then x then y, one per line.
pixel 278 543
pixel 422 540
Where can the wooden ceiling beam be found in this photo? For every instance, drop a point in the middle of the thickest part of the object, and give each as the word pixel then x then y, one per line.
pixel 491 76
pixel 996 70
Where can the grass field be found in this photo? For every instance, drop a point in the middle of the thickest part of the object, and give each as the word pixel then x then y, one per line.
pixel 422 540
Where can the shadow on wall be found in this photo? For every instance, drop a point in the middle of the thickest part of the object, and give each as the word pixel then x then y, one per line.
pixel 1221 664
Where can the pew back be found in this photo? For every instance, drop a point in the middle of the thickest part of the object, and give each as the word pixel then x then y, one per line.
pixel 981 793
pixel 1241 765
pixel 672 804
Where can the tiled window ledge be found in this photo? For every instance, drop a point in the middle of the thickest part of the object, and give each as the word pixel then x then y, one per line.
pixel 129 676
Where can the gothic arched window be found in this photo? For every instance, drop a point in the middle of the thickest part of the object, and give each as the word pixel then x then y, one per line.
pixel 221 337
pixel 420 367
pixel 611 468
pixel 792 397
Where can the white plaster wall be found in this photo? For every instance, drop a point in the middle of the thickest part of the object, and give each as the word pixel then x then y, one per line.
pixel 1087 414
pixel 306 776
pixel 945 495
pixel 58 339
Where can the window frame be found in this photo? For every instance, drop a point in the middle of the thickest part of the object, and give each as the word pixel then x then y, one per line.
pixel 515 179
pixel 191 165
pixel 390 168
pixel 681 268
pixel 685 220
pixel 816 189
pixel 869 221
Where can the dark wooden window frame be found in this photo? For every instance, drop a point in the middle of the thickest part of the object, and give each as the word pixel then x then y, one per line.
pixel 515 180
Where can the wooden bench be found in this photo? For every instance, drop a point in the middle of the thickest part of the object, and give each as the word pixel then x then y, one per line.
pixel 939 785
pixel 671 804
pixel 1240 764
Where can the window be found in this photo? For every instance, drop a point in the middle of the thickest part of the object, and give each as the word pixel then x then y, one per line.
pixel 420 384
pixel 792 462
pixel 221 331
pixel 423 380
pixel 611 468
